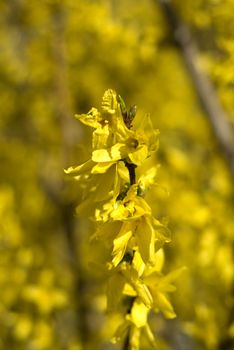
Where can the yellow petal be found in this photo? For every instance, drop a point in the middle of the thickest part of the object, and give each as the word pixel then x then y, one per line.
pixel 102 137
pixel 165 282
pixel 121 332
pixel 172 276
pixel 119 212
pixel 116 152
pixel 157 263
pixel 109 102
pixel 138 263
pixel 129 290
pixel 80 169
pixel 149 133
pixel 92 118
pixel 121 242
pixel 163 304
pixel 153 342
pixel 141 207
pixel 139 155
pixel 101 155
pixel 139 313
pixel 162 233
pixel 135 334
pixel 141 289
pixel 143 293
pixel 148 179
pixel 105 184
pixel 119 151
pixel 145 238
pixel 101 168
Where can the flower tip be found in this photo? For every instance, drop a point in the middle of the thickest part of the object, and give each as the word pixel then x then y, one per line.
pixel 68 171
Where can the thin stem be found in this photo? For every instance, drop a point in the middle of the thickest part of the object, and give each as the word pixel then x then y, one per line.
pixel 132 173
pixel 132 177
pixel 128 116
pixel 126 344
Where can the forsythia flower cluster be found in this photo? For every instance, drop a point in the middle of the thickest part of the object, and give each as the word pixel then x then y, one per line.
pixel 115 199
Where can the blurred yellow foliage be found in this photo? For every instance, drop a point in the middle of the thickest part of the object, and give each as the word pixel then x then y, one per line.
pixel 57 58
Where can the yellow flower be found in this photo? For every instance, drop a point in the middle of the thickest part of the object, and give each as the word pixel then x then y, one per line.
pixel 155 283
pixel 125 224
pixel 148 288
pixel 124 280
pixel 136 326
pixel 139 228
pixel 146 285
pixel 102 176
pixel 133 145
pixel 147 180
pixel 112 139
pixel 101 182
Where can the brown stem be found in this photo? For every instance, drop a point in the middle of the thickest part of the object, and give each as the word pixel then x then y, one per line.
pixel 126 344
pixel 131 170
pixel 132 177
pixel 127 117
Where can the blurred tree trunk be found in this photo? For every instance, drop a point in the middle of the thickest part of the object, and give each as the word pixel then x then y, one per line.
pixel 204 88
pixel 67 208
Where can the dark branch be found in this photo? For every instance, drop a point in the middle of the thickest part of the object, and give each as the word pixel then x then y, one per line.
pixel 128 116
pixel 131 170
pixel 126 344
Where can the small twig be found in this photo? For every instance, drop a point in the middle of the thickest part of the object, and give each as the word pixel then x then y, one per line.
pixel 126 343
pixel 131 170
pixel 128 117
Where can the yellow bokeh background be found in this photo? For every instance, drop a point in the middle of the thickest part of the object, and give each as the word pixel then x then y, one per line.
pixel 57 59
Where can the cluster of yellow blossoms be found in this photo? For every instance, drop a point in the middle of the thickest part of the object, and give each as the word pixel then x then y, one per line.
pixel 115 198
